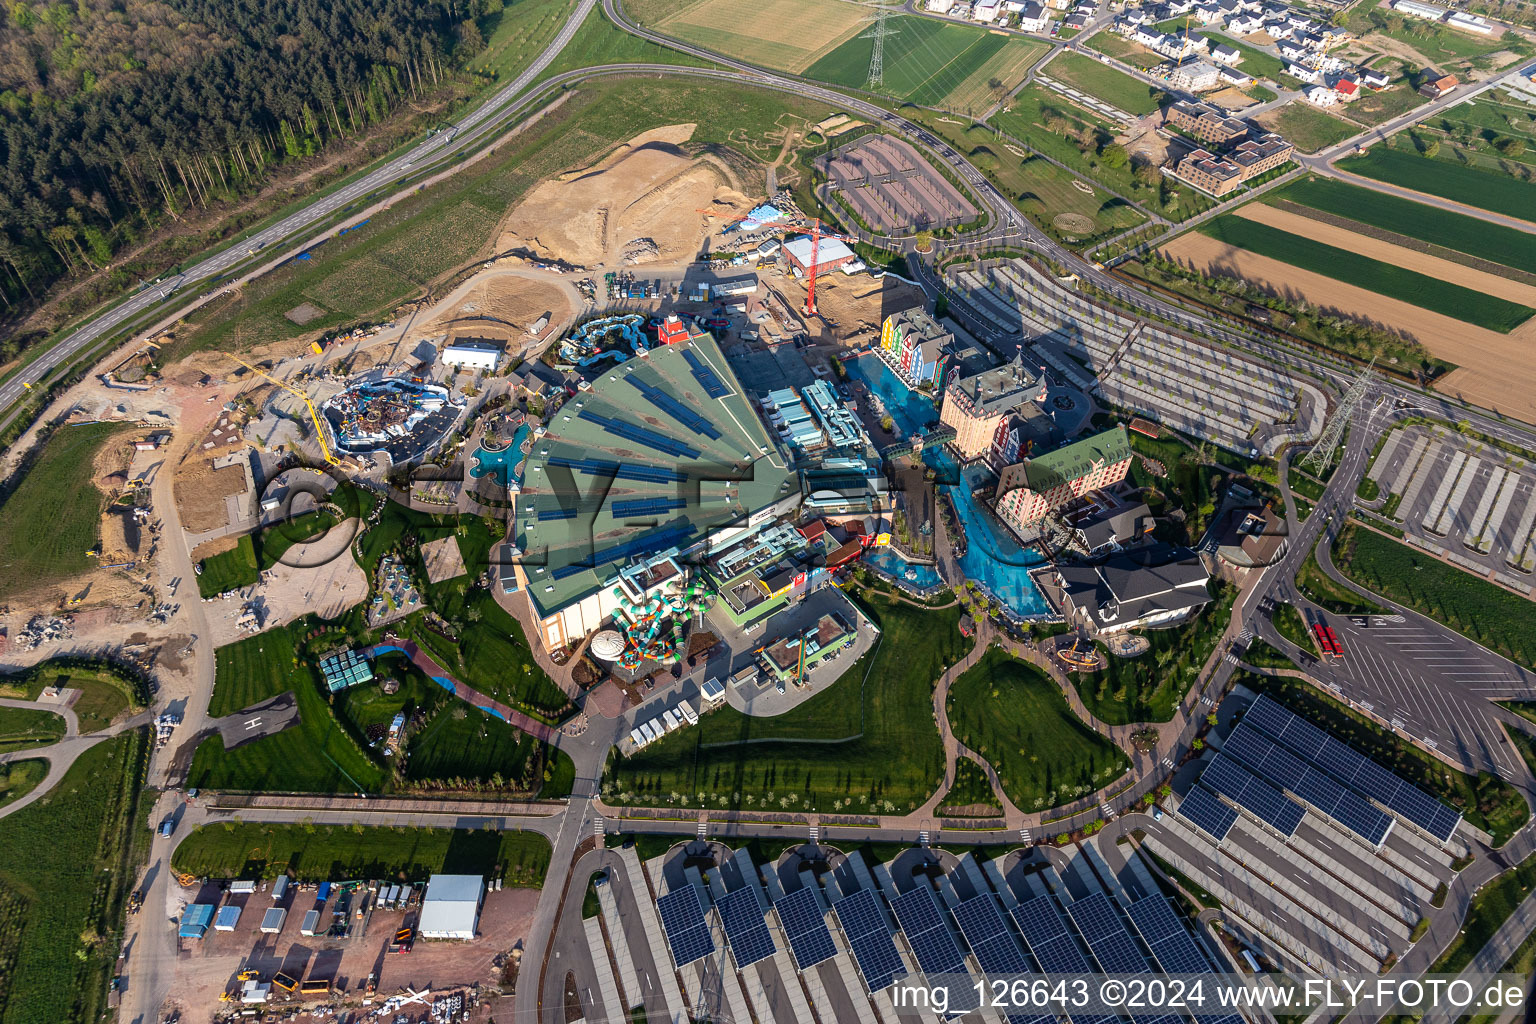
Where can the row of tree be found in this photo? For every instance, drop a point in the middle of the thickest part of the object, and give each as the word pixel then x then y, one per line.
pixel 118 114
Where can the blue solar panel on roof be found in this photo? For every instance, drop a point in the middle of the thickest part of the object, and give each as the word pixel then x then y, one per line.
pixel 1263 801
pixel 706 376
pixel 682 917
pixel 869 934
pixel 633 508
pixel 1039 919
pixel 800 915
pixel 672 407
pixel 548 514
pixel 1108 940
pixel 932 944
pixel 1061 955
pixel 1206 813
pixel 1323 792
pixel 1154 919
pixel 741 915
pixel 640 435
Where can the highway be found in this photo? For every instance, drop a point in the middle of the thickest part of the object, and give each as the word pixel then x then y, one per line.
pixel 434 149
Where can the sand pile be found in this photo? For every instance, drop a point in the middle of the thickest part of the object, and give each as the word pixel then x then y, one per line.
pixel 649 189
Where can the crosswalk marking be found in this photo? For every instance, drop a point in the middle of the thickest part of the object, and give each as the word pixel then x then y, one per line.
pixel 703 828
pixel 1231 659
pixel 1024 834
pixel 1108 813
pixel 598 828
pixel 1207 701
pixel 815 832
pixel 922 838
pixel 1167 763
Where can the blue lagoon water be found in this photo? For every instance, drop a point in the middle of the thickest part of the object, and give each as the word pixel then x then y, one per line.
pixel 888 561
pixel 501 465
pixel 993 557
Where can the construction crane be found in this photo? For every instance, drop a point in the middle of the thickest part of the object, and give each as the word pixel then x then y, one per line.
pixel 810 296
pixel 314 414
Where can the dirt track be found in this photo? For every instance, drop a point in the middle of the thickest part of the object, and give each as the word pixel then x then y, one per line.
pixel 1496 370
pixel 1386 252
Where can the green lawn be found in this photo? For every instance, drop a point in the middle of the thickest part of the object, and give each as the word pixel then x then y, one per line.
pixel 25 728
pixel 1490 908
pixel 70 861
pixel 1012 714
pixel 516 34
pixel 1255 61
pixel 1291 625
pixel 17 779
pixel 1494 617
pixel 1148 688
pixel 970 790
pixel 1422 290
pixel 1329 594
pixel 1492 242
pixel 317 756
pixel 1306 486
pixel 1309 128
pixel 52 518
pixel 865 744
pixel 333 853
pixel 1500 193
pixel 105 692
pixel 229 570
pixel 1487 801
pixel 461 742
pixel 1123 50
pixel 275 540
pixel 1102 81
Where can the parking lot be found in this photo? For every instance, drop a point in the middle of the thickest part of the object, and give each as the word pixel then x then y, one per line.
pixel 1472 504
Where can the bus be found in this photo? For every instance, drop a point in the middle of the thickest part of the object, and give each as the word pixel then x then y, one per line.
pixel 1327 641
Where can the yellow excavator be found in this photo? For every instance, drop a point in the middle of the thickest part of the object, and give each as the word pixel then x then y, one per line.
pixel 314 414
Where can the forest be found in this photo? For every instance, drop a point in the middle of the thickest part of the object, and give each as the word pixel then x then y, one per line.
pixel 118 116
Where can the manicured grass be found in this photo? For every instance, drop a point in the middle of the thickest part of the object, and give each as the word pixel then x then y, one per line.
pixel 1328 593
pixel 330 853
pixel 1494 617
pixel 17 779
pixel 229 570
pixel 1485 190
pixel 1492 242
pixel 865 744
pixel 1306 486
pixel 104 692
pixel 970 790
pixel 1012 714
pixel 1490 908
pixel 24 728
pixel 1309 128
pixel 52 518
pixel 316 756
pixel 1262 655
pixel 1148 688
pixel 464 743
pixel 277 539
pixel 1104 82
pixel 1486 801
pixel 1292 626
pixel 1461 303
pixel 69 864
pixel 930 62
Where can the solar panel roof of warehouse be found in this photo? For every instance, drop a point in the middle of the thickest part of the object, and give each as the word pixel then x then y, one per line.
pixel 682 917
pixel 741 915
pixel 868 932
pixel 800 915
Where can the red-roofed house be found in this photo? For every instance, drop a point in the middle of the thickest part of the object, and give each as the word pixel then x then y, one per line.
pixel 1347 89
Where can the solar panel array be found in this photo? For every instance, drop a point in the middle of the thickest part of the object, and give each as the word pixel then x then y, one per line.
pixel 672 407
pixel 706 377
pixel 934 947
pixel 1354 769
pixel 656 540
pixel 1173 947
pixel 996 952
pixel 1107 938
pixel 548 514
pixel 1039 920
pixel 800 915
pixel 868 932
pixel 741 915
pixel 635 507
pixel 1230 779
pixel 602 467
pixel 640 435
pixel 682 917
pixel 1206 813
pixel 1321 791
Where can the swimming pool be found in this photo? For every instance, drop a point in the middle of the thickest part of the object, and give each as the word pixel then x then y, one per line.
pixel 993 557
pixel 502 464
pixel 922 576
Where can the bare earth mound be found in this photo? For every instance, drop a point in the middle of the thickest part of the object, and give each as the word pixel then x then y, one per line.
pixel 646 196
pixel 513 298
pixel 1496 370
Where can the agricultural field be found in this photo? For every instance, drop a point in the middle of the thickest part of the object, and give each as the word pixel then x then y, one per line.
pixel 934 63
pixel 1494 133
pixel 1486 801
pixel 70 863
pixel 866 743
pixel 104 692
pixel 1012 714
pixel 1484 189
pixel 441 229
pixel 328 853
pixel 52 517
pixel 1102 81
pixel 1307 127
pixel 788 35
pixel 1441 229
pixel 1461 303
pixel 25 728
pixel 229 570
pixel 1494 617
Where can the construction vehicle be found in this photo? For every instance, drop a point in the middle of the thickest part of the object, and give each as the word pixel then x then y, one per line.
pixel 282 981
pixel 249 974
pixel 314 414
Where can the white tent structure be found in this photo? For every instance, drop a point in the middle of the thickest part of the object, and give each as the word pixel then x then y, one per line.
pixel 451 907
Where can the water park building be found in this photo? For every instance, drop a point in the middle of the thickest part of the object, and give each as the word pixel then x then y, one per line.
pixel 926 352
pixel 1030 490
pixel 656 453
pixel 473 353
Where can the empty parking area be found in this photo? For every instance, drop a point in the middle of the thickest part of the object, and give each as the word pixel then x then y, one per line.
pixel 893 189
pixel 1473 504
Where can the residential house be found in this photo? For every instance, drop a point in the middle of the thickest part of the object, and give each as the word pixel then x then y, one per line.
pixel 986 10
pixel 1224 54
pixel 941 6
pixel 1033 17
pixel 1244 24
pixel 1194 75
pixel 1321 96
pixel 1348 89
pixel 1302 72
pixel 1291 50
pixel 1078 21
pixel 1374 79
pixel 1434 88
pixel 1209 14
pixel 1232 76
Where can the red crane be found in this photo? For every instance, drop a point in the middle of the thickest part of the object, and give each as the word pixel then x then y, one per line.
pixel 810 297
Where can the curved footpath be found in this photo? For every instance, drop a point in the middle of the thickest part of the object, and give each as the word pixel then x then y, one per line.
pixel 62 755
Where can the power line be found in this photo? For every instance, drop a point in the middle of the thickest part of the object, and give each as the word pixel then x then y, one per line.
pixel 877 55
pixel 1327 445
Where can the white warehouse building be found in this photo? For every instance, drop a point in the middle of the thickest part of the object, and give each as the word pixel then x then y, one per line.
pixel 1415 8
pixel 474 353
pixel 451 907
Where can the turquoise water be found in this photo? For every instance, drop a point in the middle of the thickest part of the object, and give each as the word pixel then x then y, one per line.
pixel 888 561
pixel 502 464
pixel 993 557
